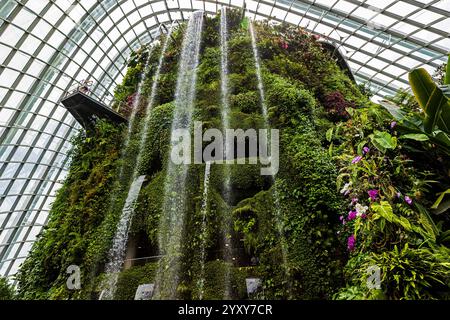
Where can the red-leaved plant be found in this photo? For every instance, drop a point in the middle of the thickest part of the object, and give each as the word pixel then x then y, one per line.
pixel 336 105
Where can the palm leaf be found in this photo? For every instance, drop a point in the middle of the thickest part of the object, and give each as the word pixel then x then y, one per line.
pixel 436 107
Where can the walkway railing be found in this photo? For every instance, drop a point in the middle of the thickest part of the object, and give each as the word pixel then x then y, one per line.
pixel 85 87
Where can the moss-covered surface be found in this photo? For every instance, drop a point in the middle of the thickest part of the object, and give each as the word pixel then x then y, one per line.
pixel 130 279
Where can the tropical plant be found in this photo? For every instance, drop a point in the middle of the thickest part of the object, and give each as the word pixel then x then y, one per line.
pixel 433 99
pixel 408 273
pixel 405 273
pixel 433 124
pixel 337 106
pixel 383 141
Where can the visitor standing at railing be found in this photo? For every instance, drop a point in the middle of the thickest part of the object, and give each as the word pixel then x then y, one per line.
pixel 84 86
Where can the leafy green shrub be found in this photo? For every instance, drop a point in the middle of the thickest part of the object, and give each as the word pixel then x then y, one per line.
pixel 6 290
pixel 406 273
pixel 247 102
pixel 77 217
pixel 413 273
pixel 287 102
pixel 157 140
pixel 148 208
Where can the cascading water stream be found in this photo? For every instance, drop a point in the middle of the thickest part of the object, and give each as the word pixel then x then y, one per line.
pixel 136 103
pixel 175 190
pixel 131 122
pixel 204 230
pixel 228 152
pixel 258 75
pixel 118 249
pixel 224 76
pixel 279 216
pixel 125 155
pixel 151 100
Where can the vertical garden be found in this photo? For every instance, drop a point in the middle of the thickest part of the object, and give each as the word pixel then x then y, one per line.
pixel 361 188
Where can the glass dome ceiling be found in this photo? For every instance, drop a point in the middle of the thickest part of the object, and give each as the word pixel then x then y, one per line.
pixel 48 45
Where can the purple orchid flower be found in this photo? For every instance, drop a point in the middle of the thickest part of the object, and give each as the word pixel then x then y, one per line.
pixel 393 124
pixel 356 159
pixel 351 215
pixel 408 200
pixel 366 150
pixel 351 243
pixel 373 194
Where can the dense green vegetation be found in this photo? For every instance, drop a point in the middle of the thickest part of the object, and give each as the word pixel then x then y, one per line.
pixel 355 188
pixel 393 166
pixel 6 290
pixel 81 224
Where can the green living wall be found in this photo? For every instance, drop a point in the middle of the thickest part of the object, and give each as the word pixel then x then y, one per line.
pixel 351 194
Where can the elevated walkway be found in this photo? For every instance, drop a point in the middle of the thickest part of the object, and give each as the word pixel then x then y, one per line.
pixel 87 110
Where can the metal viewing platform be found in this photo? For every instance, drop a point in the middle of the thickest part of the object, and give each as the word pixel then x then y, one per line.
pixel 86 109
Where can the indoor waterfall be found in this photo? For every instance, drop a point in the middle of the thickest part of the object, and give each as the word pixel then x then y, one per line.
pixel 151 101
pixel 118 249
pixel 127 157
pixel 229 159
pixel 117 252
pixel 175 193
pixel 135 105
pixel 258 73
pixel 279 217
pixel 228 150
